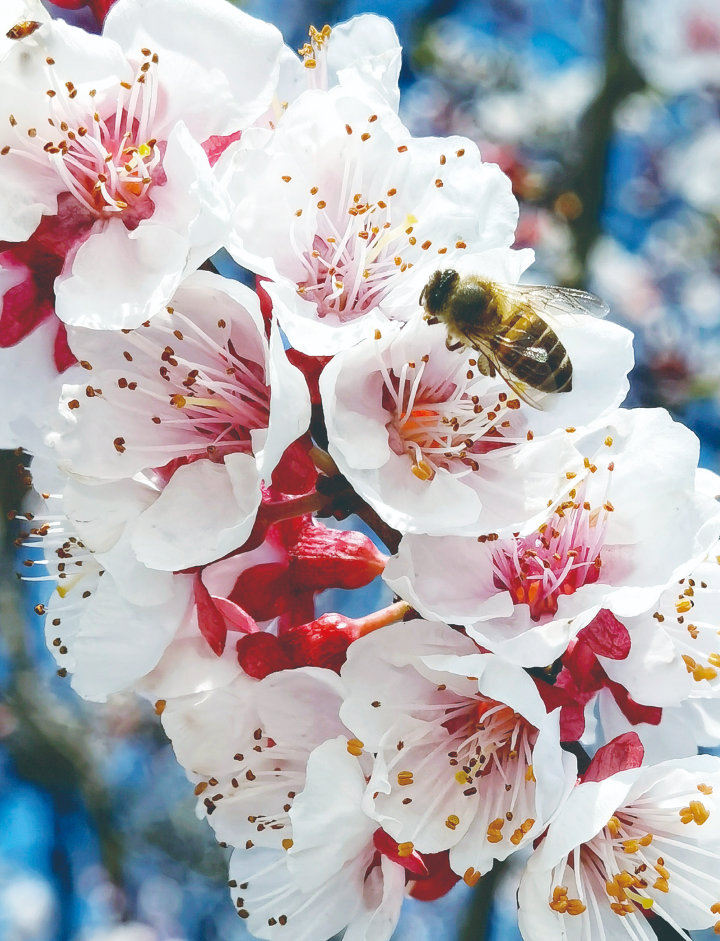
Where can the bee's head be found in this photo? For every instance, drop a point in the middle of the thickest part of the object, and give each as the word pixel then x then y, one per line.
pixel 436 292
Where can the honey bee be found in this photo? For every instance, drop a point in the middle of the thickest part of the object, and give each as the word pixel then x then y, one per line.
pixel 24 29
pixel 508 325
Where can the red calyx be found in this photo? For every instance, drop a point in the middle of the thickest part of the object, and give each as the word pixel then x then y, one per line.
pixel 440 878
pixel 331 558
pixel 310 367
pixel 262 654
pixel 100 8
pixel 386 846
pixel 318 558
pixel 320 643
pixel 582 676
pixel 216 146
pixel 623 752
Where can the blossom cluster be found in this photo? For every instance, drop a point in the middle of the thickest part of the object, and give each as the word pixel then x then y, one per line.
pixel 200 447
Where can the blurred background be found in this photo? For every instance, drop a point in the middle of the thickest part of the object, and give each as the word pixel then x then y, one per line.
pixel 606 116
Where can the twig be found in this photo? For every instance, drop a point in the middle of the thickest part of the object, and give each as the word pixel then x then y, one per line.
pixel 622 79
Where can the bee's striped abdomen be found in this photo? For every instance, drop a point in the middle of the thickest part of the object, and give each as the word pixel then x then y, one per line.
pixel 523 333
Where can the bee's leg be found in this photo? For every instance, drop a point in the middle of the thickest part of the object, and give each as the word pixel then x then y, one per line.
pixel 431 320
pixel 453 346
pixel 485 366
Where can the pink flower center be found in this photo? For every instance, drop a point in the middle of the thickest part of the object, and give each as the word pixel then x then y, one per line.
pixel 206 398
pixel 439 421
pixel 107 162
pixel 559 558
pixel 354 258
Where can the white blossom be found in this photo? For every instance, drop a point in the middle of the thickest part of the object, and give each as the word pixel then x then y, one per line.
pixel 349 216
pixel 200 400
pixel 643 840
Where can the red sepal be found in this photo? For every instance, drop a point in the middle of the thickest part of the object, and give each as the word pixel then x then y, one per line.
pixel 266 308
pixel 625 751
pixel 440 878
pixel 264 591
pixel 310 367
pixel 386 846
pixel 216 146
pixel 210 621
pixel 606 636
pixel 238 617
pixel 295 473
pixel 261 654
pixel 62 354
pixel 633 711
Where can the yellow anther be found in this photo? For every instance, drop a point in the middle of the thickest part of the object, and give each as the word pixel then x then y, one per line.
pixel 575 907
pixel 613 826
pixel 661 885
pixel 661 870
pixel 705 788
pixel 493 831
pixel 452 821
pixel 608 442
pixel 355 747
pixel 462 778
pixel 696 811
pixel 405 849
pixel 145 150
pixel 715 909
pixel 404 778
pixel 529 774
pixel 286 844
pixel 646 840
pixel 683 606
pixel 422 470
pixel 471 877
pixel 631 846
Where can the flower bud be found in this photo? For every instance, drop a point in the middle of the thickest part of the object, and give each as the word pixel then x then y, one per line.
pixel 261 654
pixel 329 558
pixel 321 643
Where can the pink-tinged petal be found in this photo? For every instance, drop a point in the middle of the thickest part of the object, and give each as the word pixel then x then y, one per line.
pixel 625 751
pixel 27 387
pixel 184 528
pixel 210 621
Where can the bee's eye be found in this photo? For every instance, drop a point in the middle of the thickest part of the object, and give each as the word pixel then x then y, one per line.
pixel 438 289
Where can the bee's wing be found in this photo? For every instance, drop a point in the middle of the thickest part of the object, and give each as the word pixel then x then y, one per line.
pixel 545 299
pixel 525 392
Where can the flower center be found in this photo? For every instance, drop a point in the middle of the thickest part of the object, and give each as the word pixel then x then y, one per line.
pixel 559 558
pixel 353 257
pixel 440 422
pixel 207 397
pixel 108 163
pixel 637 858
